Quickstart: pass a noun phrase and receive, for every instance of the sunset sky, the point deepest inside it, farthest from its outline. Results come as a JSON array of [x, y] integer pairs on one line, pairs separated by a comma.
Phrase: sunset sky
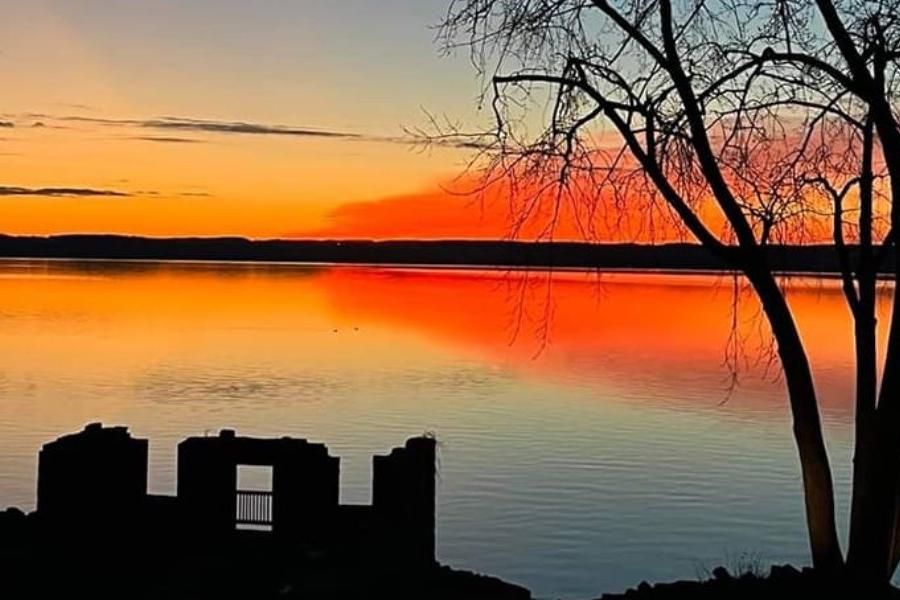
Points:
[[214, 117]]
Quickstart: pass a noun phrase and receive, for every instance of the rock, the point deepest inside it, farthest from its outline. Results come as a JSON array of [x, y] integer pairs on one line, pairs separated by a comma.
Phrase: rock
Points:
[[783, 573], [721, 574], [678, 589]]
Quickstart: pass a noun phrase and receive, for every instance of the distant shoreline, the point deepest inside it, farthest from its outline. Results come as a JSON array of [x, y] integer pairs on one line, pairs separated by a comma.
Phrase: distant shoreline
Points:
[[813, 260], [420, 267]]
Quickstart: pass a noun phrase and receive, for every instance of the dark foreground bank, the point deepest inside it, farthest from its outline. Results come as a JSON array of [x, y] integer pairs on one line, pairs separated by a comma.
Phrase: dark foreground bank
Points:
[[459, 253], [252, 570], [98, 533], [781, 582], [38, 564]]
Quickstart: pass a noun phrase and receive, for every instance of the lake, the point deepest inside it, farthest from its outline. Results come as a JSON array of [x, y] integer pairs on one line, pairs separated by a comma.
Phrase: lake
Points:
[[591, 433]]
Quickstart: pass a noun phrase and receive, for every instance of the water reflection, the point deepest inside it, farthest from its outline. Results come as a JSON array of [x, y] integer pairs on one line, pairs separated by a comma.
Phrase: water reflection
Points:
[[585, 441], [604, 328]]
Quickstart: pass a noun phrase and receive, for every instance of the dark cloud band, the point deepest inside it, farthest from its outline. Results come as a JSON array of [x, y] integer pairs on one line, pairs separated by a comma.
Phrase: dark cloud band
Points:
[[208, 126], [61, 192], [167, 139], [241, 127], [190, 125]]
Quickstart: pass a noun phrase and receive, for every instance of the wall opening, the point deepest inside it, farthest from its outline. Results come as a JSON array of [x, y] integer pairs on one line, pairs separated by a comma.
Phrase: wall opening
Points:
[[253, 498]]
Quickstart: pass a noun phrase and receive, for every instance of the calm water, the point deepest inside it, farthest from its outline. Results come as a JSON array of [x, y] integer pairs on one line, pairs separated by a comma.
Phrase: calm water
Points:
[[589, 437]]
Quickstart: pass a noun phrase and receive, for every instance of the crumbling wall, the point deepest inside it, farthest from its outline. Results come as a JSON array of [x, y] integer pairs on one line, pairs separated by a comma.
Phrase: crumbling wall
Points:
[[94, 481], [403, 494]]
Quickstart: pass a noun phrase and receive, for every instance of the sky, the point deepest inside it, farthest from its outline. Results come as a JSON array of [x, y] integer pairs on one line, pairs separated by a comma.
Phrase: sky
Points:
[[262, 119], [271, 118]]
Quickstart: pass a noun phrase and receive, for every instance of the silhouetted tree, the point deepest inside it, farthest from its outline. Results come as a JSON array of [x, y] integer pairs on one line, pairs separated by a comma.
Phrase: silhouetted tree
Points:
[[747, 122]]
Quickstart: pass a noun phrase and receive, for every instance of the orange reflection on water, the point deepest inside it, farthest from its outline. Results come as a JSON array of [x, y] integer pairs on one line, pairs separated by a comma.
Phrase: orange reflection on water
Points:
[[615, 331], [611, 327], [94, 316]]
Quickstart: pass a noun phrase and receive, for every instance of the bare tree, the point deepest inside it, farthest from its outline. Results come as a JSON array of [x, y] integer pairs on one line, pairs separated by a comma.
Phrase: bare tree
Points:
[[746, 123]]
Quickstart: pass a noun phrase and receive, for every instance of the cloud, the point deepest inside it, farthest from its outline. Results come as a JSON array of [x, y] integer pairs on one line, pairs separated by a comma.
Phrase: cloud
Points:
[[76, 106], [7, 124], [66, 192], [207, 126], [167, 139], [467, 209], [61, 192], [44, 125], [210, 126], [172, 125]]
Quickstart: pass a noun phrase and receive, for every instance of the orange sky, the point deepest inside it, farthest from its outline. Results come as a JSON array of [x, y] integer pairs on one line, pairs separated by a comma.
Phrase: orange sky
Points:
[[216, 118], [464, 208], [236, 121], [135, 179], [200, 177], [180, 177], [211, 119], [85, 175]]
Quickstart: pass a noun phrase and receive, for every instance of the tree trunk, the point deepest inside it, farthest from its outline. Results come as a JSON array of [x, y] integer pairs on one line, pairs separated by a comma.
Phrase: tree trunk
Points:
[[873, 512], [872, 515], [881, 522], [873, 507], [818, 486], [889, 413]]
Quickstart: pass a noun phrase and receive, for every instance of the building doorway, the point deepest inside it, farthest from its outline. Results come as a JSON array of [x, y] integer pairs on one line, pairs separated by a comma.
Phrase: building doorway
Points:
[[253, 498]]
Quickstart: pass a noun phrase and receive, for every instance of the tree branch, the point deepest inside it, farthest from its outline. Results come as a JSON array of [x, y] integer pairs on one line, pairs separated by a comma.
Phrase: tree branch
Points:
[[700, 137]]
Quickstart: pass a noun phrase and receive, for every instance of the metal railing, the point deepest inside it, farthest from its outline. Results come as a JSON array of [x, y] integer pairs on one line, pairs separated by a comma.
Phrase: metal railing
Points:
[[253, 507]]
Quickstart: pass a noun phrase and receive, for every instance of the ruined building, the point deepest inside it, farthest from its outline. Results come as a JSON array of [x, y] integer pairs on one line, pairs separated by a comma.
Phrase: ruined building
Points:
[[94, 483], [98, 534]]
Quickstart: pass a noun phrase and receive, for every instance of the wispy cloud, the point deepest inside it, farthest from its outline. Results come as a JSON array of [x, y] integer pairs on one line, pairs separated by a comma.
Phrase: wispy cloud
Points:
[[7, 124], [209, 126], [61, 192], [242, 128], [76, 106], [86, 192], [167, 139]]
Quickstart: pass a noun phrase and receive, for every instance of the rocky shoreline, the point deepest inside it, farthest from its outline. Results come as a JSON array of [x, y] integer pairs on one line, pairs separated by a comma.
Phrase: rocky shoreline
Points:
[[783, 581], [36, 565]]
